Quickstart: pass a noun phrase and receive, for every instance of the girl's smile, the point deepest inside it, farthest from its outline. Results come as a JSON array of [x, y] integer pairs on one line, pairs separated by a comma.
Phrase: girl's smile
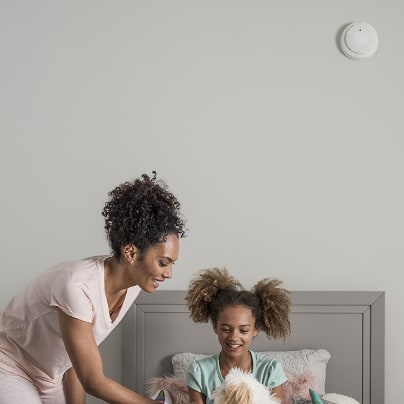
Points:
[[236, 330]]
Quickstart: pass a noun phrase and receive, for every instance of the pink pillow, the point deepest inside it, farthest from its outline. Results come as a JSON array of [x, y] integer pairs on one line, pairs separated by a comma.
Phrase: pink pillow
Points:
[[176, 387], [178, 390], [299, 386]]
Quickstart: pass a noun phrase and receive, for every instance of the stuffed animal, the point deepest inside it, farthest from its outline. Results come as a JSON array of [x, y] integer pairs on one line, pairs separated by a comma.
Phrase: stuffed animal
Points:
[[339, 399], [329, 398], [162, 396], [315, 398], [241, 387]]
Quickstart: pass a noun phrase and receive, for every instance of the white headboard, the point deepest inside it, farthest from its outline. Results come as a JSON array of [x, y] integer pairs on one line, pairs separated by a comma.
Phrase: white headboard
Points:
[[350, 325]]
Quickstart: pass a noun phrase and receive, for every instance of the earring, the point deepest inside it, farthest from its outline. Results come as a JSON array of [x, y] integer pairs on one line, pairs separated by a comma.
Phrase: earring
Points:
[[131, 261]]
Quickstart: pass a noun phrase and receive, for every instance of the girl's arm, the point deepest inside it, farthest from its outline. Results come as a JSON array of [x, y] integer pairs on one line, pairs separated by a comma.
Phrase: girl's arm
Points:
[[86, 359], [195, 397], [278, 393]]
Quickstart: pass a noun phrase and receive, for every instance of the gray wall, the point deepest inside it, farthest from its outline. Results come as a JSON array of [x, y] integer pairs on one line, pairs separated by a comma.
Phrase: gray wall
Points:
[[287, 156]]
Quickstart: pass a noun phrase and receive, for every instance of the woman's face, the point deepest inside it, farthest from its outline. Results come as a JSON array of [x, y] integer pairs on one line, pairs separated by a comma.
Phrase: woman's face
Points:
[[235, 329], [155, 264]]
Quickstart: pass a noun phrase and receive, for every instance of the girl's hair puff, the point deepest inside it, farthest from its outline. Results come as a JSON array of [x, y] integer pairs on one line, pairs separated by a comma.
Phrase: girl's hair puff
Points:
[[204, 289], [275, 303]]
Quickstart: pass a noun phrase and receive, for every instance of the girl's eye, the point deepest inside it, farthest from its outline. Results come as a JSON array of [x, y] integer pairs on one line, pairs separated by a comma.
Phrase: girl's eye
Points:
[[163, 264]]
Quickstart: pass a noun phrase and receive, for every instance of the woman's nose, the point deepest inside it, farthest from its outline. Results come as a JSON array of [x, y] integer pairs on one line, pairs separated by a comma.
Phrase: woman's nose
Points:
[[168, 273]]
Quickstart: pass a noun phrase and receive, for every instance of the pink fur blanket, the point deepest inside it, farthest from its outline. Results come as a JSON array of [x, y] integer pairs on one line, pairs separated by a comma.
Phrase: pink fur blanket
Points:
[[177, 388]]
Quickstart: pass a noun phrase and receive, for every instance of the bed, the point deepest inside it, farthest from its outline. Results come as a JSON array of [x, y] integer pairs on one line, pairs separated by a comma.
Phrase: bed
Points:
[[347, 324]]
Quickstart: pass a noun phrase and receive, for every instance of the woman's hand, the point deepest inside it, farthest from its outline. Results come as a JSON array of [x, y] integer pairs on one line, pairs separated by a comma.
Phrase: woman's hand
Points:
[[86, 359]]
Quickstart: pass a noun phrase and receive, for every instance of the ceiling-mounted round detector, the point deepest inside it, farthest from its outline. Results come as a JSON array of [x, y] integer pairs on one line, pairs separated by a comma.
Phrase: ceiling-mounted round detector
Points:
[[359, 41]]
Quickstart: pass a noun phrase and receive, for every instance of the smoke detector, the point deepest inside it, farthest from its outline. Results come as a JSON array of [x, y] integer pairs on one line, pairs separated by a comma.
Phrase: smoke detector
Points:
[[359, 41]]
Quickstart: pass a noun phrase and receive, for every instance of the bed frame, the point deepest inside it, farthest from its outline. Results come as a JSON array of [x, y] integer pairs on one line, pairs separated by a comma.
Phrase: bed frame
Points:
[[350, 325]]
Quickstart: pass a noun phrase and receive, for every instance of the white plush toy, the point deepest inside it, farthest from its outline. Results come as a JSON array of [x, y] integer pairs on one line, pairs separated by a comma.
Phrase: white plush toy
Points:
[[339, 399], [241, 387]]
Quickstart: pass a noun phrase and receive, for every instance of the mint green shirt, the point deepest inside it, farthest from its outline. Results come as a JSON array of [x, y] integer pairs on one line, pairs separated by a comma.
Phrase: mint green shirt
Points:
[[204, 374]]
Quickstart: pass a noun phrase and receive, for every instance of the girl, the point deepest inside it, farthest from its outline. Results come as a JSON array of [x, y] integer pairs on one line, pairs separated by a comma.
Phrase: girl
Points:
[[237, 315]]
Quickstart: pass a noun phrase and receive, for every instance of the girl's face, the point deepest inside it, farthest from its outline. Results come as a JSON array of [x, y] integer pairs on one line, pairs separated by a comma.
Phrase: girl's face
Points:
[[235, 329]]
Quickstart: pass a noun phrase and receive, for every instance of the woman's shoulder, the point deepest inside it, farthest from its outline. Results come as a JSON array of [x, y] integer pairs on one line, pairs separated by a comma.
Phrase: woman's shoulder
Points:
[[82, 264], [83, 267], [85, 273]]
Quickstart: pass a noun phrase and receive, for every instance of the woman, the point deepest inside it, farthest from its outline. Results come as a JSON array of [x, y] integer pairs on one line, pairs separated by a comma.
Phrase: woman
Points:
[[237, 315], [50, 332]]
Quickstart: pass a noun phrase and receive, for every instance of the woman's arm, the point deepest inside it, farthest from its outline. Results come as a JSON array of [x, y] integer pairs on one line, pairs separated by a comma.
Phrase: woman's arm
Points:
[[86, 359], [195, 397], [73, 389]]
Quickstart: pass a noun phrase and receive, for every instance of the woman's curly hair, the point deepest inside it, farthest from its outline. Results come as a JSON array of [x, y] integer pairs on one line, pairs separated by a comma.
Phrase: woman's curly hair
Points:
[[214, 289], [142, 212]]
